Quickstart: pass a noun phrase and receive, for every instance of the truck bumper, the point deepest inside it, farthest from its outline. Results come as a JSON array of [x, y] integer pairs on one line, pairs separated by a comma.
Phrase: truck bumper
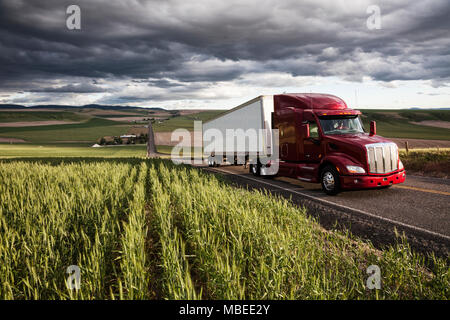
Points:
[[363, 182]]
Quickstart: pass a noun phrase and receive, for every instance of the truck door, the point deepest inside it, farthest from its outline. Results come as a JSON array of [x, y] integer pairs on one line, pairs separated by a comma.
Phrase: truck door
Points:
[[312, 146], [286, 123]]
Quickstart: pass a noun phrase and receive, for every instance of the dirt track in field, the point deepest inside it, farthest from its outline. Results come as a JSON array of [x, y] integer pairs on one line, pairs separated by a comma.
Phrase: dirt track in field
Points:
[[420, 143], [11, 140], [434, 123], [35, 123], [122, 119]]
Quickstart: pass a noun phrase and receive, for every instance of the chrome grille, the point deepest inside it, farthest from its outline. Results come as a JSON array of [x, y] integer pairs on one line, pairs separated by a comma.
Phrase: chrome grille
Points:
[[382, 157]]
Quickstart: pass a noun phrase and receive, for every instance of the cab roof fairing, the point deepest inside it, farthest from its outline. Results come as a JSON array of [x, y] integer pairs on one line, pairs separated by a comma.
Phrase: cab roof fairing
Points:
[[314, 101]]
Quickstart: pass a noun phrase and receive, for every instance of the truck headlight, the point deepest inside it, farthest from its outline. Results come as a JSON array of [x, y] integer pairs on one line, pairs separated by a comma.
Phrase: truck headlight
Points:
[[355, 169], [400, 165]]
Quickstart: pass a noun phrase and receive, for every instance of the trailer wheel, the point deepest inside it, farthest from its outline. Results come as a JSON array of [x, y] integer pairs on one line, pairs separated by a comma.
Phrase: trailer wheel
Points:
[[329, 178], [255, 169], [212, 162]]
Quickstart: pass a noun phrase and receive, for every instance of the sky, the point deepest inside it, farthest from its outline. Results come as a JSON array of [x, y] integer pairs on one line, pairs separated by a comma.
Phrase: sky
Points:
[[217, 54]]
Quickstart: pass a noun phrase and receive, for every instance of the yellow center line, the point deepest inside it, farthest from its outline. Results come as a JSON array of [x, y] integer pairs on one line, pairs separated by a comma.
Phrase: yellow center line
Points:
[[423, 190]]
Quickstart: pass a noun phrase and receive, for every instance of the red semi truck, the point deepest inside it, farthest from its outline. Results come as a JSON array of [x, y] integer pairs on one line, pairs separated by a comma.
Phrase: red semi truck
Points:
[[321, 140]]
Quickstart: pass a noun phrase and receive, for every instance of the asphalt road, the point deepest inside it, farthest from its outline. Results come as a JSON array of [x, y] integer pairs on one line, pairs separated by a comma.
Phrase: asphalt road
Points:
[[419, 207]]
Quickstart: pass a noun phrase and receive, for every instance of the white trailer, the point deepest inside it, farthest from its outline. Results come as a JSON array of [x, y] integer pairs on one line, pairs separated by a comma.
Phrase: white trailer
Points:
[[233, 132]]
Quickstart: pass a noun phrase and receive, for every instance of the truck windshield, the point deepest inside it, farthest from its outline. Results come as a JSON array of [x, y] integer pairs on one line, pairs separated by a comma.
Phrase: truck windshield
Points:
[[341, 124]]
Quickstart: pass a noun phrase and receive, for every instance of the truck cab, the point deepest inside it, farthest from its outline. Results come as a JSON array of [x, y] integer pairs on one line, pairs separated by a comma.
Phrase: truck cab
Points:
[[322, 140]]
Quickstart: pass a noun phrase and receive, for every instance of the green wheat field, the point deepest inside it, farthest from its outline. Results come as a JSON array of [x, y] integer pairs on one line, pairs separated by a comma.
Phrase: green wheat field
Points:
[[150, 229]]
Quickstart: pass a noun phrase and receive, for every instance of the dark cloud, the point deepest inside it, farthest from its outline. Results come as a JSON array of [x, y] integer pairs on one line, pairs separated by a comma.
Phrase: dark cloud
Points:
[[73, 88], [170, 44]]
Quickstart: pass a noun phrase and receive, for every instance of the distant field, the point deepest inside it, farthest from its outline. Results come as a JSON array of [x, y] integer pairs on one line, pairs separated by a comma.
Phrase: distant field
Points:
[[24, 116], [11, 151], [92, 123], [397, 123], [79, 150], [90, 130]]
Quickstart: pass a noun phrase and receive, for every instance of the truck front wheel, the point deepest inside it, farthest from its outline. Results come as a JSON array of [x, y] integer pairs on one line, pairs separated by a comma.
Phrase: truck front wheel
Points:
[[329, 178]]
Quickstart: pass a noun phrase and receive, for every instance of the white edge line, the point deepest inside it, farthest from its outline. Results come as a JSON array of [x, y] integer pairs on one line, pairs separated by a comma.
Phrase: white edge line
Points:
[[339, 205]]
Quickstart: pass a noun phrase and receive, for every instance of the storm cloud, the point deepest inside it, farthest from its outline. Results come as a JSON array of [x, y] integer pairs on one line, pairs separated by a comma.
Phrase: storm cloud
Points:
[[182, 48]]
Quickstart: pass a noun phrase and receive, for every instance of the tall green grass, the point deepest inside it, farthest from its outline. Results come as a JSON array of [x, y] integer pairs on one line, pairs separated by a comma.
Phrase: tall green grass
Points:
[[431, 162], [240, 244], [144, 229], [176, 282], [55, 216], [134, 263]]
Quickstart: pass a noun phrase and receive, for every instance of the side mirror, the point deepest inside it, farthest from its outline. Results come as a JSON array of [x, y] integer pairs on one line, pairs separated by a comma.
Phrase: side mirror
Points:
[[306, 131], [373, 128]]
